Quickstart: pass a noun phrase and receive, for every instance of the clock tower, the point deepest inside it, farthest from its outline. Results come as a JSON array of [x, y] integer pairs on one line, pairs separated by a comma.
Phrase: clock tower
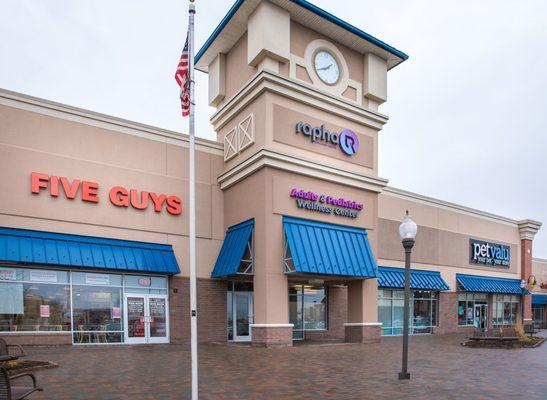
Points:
[[297, 94]]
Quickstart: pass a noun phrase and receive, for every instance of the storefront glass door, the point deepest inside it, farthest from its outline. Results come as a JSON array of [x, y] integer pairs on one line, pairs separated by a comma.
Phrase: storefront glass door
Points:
[[146, 319], [481, 316], [242, 315]]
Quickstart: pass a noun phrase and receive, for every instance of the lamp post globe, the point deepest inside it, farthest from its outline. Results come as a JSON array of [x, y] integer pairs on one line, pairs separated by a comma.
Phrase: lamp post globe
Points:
[[407, 230]]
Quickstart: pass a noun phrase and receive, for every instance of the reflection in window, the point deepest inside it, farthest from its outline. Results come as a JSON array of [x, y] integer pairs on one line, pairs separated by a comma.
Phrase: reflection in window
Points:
[[307, 308], [34, 307], [466, 306], [423, 311], [505, 309], [97, 312]]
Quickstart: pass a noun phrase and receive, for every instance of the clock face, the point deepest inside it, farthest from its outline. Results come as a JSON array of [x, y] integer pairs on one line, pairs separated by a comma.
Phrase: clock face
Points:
[[326, 67]]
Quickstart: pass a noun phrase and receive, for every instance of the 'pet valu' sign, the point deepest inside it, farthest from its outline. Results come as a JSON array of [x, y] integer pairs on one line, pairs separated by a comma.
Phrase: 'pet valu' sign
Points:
[[486, 253]]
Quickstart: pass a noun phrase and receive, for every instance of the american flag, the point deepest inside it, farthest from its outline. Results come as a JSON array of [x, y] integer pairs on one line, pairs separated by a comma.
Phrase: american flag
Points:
[[182, 76]]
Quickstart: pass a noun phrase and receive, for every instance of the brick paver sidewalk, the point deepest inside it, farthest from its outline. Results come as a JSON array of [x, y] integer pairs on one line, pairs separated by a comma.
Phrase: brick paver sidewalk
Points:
[[440, 368]]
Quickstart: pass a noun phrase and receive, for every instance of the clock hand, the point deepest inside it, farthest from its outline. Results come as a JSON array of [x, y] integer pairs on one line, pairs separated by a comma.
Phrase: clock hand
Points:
[[324, 68]]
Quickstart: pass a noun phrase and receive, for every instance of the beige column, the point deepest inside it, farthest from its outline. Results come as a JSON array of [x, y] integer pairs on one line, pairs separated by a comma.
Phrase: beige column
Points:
[[363, 325], [271, 326]]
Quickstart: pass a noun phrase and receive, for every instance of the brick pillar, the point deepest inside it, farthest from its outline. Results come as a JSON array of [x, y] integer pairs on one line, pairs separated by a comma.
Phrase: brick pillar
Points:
[[525, 272], [527, 229], [363, 325]]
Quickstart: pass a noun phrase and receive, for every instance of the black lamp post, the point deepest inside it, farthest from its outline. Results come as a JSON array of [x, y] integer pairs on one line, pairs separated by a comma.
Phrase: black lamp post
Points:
[[522, 291], [408, 230]]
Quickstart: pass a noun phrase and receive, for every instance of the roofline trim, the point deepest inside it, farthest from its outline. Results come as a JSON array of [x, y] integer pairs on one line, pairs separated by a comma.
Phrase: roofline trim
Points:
[[453, 206], [312, 8], [27, 102]]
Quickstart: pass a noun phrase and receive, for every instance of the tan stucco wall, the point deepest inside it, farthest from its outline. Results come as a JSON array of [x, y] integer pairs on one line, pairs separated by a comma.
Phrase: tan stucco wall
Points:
[[238, 71], [442, 243], [265, 196], [33, 142]]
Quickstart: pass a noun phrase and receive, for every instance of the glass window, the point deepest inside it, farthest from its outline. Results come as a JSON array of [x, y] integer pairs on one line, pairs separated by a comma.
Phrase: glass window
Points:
[[385, 315], [398, 316], [307, 308], [229, 316], [421, 322], [97, 314], [39, 304], [505, 310], [423, 311]]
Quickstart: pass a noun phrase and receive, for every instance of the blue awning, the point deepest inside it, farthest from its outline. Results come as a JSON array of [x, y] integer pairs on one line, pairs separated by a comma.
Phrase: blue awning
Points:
[[539, 299], [233, 249], [486, 284], [328, 249], [391, 277], [46, 248]]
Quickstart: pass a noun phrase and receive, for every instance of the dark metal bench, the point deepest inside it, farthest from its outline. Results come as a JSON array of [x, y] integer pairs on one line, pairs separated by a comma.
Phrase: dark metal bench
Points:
[[495, 333], [4, 349], [530, 329], [9, 392]]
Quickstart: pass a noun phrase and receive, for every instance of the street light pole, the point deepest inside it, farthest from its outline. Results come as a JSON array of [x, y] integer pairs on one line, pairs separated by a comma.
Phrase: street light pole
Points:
[[522, 291], [408, 230]]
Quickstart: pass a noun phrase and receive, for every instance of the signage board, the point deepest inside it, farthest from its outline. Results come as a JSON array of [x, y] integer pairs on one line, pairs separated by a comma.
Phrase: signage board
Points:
[[346, 140], [38, 275], [8, 274], [145, 281], [488, 253], [44, 311], [326, 204], [119, 196], [116, 312], [97, 279]]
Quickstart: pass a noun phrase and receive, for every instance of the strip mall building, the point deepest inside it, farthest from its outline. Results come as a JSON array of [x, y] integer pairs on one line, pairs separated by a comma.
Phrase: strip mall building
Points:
[[297, 235]]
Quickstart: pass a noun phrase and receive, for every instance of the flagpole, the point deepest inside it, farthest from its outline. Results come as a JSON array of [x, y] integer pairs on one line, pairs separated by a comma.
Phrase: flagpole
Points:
[[192, 204]]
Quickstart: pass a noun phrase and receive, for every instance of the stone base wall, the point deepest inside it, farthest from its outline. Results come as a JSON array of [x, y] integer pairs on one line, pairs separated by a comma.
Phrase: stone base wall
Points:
[[271, 336], [38, 339], [337, 311], [211, 301], [362, 334]]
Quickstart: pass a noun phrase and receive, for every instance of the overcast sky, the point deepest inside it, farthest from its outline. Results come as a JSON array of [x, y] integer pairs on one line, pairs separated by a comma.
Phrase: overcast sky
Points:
[[468, 115]]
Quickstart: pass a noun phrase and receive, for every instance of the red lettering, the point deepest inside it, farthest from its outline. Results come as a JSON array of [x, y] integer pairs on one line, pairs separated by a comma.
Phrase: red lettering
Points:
[[118, 196], [54, 186], [70, 188], [135, 200], [173, 205], [158, 201], [38, 181], [90, 191]]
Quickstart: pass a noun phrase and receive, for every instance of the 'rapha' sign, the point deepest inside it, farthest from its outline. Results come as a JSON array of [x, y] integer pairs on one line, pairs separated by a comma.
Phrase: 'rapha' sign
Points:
[[346, 140], [486, 253]]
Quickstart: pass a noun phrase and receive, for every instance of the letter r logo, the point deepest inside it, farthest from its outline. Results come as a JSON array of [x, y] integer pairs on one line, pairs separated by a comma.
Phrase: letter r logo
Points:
[[349, 143]]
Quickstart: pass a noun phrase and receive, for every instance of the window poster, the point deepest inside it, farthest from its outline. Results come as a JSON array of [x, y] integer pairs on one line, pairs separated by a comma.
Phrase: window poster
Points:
[[97, 279], [38, 275], [44, 311], [11, 298], [116, 312], [8, 274]]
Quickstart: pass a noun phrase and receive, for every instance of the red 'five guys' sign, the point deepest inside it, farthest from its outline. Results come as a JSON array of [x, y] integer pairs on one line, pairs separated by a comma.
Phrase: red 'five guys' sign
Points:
[[118, 195]]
